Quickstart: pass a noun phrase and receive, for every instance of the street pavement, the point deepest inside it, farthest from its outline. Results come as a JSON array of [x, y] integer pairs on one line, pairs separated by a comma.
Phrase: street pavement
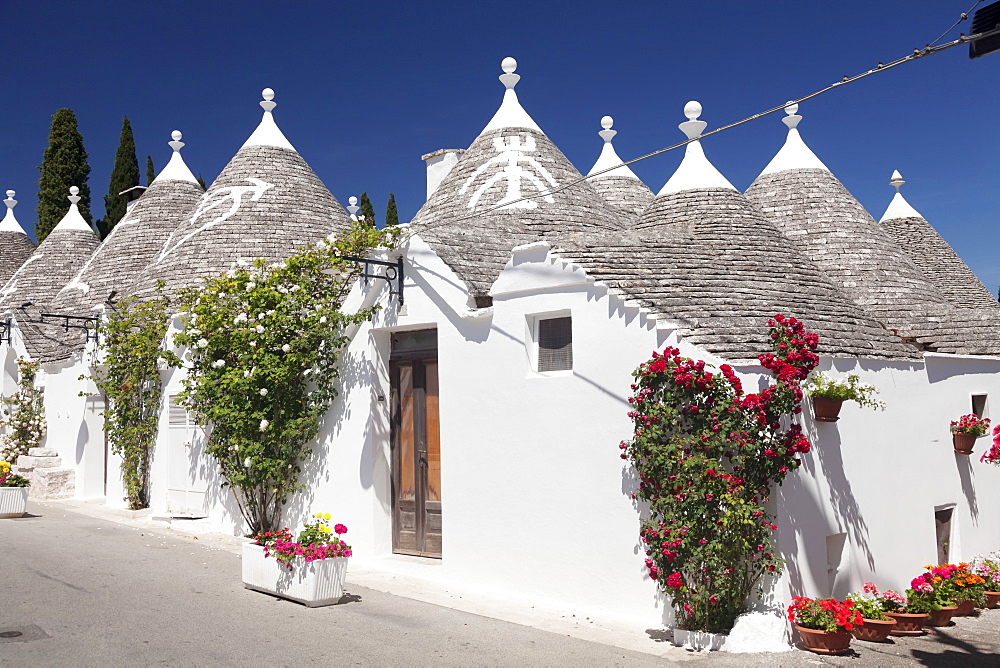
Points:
[[79, 590]]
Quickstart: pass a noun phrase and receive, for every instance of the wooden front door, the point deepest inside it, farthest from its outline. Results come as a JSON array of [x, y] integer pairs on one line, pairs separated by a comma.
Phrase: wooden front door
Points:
[[416, 445]]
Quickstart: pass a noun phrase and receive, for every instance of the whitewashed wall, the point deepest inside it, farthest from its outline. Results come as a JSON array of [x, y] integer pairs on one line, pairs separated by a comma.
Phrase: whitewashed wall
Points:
[[535, 497]]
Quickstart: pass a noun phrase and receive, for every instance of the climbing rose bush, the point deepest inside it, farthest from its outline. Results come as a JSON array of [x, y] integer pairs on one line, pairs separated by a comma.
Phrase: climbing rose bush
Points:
[[23, 414], [263, 345], [707, 456], [992, 456]]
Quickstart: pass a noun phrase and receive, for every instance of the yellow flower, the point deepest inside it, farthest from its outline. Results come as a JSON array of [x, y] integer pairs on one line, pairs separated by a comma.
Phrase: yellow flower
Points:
[[326, 516], [325, 529]]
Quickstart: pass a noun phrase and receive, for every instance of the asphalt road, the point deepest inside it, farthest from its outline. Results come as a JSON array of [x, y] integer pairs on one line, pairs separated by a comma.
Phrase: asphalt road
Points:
[[88, 592], [81, 591]]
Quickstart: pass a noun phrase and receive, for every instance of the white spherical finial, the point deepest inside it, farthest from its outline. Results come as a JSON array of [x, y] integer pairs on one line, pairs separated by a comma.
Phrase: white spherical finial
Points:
[[176, 144], [352, 200], [607, 122], [11, 193], [607, 134], [508, 78], [692, 110], [508, 65], [73, 190], [791, 121], [268, 104]]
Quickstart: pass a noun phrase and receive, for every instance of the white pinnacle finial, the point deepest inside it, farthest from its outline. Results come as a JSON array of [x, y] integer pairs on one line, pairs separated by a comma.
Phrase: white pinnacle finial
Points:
[[353, 207], [508, 78], [607, 134], [74, 194], [176, 144], [10, 201], [897, 180], [692, 127], [268, 104], [898, 208], [792, 119]]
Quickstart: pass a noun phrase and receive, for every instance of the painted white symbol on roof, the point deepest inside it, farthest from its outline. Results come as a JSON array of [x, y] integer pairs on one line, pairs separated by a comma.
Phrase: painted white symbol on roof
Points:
[[234, 195], [512, 155]]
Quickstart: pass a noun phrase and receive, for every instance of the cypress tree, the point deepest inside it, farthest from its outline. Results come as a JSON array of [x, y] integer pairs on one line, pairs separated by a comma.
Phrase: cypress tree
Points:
[[391, 217], [64, 164], [367, 210], [125, 175], [150, 172], [201, 182]]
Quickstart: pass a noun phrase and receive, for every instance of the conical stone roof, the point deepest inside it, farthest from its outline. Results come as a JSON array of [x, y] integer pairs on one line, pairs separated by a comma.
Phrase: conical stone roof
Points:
[[267, 203], [701, 255], [53, 264], [512, 165], [133, 243], [933, 255], [829, 226], [615, 182], [15, 246]]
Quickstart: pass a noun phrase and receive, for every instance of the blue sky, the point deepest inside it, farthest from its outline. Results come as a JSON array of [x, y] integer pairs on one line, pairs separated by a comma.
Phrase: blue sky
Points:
[[364, 89]]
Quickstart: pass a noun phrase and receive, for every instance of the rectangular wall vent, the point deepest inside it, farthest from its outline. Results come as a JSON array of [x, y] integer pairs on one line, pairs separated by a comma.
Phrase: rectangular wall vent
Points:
[[555, 344]]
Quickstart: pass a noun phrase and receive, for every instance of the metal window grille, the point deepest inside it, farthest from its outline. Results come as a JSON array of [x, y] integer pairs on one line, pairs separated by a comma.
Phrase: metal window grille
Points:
[[555, 344]]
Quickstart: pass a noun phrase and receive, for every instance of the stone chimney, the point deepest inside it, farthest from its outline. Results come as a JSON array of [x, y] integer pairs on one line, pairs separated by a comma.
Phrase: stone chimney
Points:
[[439, 163]]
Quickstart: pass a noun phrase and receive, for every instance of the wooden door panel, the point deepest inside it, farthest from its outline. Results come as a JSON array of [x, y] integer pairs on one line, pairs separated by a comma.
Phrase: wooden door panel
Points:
[[416, 456]]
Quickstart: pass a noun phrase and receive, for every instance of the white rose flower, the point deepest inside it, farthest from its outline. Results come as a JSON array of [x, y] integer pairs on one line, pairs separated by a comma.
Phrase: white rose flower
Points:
[[246, 373], [260, 316], [322, 319], [202, 343], [253, 344], [286, 348], [246, 462], [259, 329], [263, 391], [264, 424], [219, 363]]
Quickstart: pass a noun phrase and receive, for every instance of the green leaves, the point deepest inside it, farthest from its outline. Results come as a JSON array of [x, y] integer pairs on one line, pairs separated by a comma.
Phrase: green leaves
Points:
[[129, 378], [263, 345], [23, 417]]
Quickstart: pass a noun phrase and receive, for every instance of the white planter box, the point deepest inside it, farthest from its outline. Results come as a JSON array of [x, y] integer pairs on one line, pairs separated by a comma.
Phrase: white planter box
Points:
[[13, 501], [699, 640], [313, 583]]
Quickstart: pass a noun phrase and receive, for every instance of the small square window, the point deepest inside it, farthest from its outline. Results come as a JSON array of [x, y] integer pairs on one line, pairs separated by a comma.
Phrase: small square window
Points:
[[555, 344]]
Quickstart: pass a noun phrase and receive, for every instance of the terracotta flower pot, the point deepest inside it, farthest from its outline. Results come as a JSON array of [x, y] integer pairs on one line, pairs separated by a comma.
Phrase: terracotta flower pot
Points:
[[825, 642], [965, 608], [874, 630], [907, 624], [963, 443], [992, 598], [941, 617], [826, 410]]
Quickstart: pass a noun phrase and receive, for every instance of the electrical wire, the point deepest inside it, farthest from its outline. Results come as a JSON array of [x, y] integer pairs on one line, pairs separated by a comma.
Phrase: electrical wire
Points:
[[917, 54], [961, 18]]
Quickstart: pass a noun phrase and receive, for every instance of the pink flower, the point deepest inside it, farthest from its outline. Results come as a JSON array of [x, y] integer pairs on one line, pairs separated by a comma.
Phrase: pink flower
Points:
[[340, 529]]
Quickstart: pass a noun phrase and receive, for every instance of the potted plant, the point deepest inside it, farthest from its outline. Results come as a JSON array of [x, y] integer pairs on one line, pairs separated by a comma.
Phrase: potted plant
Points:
[[824, 625], [876, 624], [13, 492], [932, 594], [829, 394], [909, 616], [965, 430], [988, 568], [309, 569], [967, 589]]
